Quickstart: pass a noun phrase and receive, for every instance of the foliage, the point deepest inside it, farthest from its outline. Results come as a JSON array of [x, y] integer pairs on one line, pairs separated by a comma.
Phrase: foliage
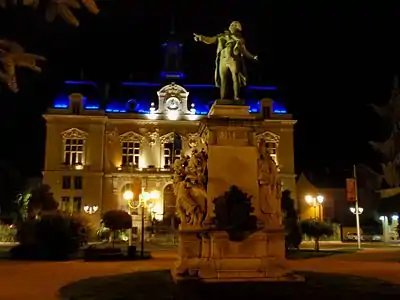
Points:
[[20, 210], [12, 55], [233, 213], [316, 229], [117, 220], [390, 148], [103, 233], [290, 221], [55, 8], [8, 233], [10, 187], [53, 236], [41, 200]]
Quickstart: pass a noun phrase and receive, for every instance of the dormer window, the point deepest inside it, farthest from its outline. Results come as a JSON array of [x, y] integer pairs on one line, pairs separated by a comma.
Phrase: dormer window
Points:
[[76, 107], [131, 104]]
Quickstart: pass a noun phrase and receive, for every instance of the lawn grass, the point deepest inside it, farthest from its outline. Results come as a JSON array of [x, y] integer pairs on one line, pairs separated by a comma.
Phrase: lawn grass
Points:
[[159, 285], [308, 253]]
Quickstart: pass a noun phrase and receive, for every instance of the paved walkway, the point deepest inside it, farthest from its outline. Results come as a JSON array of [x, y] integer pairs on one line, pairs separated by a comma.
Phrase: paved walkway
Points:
[[41, 280]]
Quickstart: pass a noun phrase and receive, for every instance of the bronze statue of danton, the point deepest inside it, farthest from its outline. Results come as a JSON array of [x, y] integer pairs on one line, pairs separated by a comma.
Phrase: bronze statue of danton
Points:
[[231, 51]]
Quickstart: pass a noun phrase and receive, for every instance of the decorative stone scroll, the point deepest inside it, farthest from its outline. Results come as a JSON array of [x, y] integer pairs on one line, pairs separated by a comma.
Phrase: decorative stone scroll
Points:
[[131, 136], [268, 136], [153, 137], [74, 133]]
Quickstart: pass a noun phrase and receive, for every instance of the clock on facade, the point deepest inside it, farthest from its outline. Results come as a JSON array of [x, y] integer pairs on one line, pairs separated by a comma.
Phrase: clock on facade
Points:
[[173, 103]]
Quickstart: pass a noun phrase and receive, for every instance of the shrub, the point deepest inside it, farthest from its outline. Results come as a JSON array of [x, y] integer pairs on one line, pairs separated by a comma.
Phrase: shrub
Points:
[[54, 236], [8, 233], [316, 230], [117, 220]]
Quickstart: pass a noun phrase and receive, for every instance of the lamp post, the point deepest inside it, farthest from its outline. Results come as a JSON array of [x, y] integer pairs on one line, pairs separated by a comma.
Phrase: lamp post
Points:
[[144, 197], [316, 202], [128, 196], [357, 211]]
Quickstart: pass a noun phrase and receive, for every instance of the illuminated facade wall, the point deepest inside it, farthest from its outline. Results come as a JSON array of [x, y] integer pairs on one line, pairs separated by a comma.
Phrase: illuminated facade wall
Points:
[[93, 154]]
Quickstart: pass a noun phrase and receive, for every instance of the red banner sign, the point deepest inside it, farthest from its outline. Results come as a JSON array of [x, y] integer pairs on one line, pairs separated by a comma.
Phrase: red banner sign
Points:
[[351, 190]]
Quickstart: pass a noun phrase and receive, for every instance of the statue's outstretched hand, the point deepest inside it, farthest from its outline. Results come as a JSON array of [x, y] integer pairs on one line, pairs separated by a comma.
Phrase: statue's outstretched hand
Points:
[[197, 37]]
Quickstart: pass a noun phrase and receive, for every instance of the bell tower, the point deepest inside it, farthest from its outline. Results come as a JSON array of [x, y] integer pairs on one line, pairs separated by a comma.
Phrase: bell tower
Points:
[[172, 49]]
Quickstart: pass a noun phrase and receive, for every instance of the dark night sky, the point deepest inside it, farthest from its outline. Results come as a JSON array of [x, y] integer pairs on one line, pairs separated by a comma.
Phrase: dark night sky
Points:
[[329, 62]]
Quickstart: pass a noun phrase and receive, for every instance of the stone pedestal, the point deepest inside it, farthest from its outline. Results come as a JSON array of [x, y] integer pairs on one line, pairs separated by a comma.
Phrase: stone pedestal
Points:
[[210, 256], [207, 253], [229, 131]]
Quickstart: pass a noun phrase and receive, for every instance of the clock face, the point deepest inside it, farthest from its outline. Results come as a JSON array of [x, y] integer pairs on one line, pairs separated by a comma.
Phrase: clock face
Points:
[[173, 103]]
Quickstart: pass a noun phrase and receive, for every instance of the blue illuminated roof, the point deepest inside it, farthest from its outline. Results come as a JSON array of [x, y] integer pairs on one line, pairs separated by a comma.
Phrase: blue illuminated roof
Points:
[[137, 96]]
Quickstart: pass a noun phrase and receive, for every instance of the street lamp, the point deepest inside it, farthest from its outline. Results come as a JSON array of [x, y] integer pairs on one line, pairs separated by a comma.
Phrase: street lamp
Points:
[[316, 202], [144, 198], [360, 210], [128, 197], [90, 209]]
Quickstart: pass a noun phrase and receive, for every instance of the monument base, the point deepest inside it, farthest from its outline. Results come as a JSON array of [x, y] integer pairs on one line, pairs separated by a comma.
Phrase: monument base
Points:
[[209, 256], [229, 109]]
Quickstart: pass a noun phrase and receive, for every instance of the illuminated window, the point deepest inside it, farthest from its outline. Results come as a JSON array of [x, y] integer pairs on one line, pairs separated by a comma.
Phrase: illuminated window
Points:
[[130, 144], [77, 205], [168, 159], [74, 146], [130, 153], [73, 151], [65, 204], [273, 150]]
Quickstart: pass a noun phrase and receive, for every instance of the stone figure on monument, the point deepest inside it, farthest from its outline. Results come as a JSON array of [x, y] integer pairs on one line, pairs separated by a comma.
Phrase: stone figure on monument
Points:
[[231, 51], [190, 189], [269, 187]]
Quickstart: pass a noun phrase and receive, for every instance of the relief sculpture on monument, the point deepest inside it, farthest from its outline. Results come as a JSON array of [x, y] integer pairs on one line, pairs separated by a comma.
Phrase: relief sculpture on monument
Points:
[[270, 187], [190, 182]]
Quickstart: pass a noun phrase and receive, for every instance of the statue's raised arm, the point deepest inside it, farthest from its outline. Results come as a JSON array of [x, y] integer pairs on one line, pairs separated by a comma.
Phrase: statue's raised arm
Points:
[[205, 39], [231, 51]]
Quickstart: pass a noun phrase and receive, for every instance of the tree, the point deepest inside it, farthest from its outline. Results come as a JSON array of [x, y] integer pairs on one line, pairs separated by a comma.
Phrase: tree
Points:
[[41, 200], [390, 148], [316, 230], [290, 221], [54, 236], [13, 56], [54, 8], [117, 220], [20, 210]]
